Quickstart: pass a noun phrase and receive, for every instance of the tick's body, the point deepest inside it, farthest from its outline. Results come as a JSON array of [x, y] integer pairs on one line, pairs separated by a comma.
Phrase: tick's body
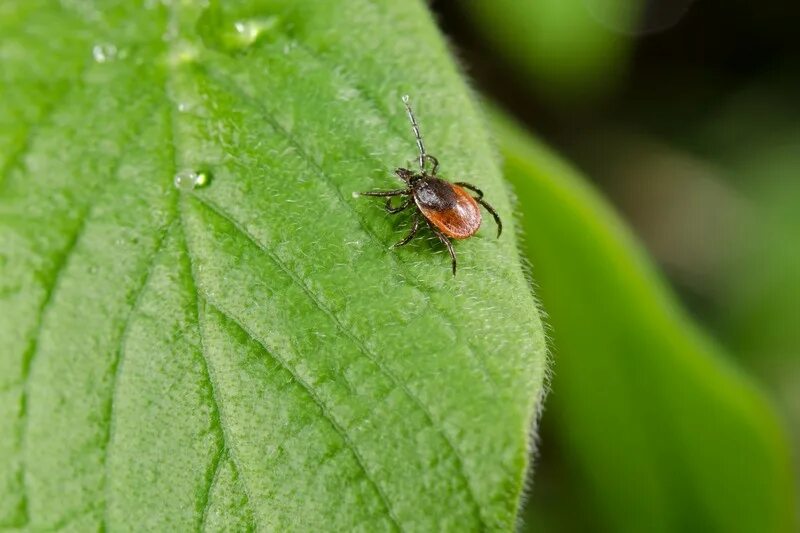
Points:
[[448, 207], [450, 211]]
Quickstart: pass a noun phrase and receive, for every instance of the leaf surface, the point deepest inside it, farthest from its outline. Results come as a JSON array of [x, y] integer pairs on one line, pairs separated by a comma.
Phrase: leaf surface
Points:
[[247, 354]]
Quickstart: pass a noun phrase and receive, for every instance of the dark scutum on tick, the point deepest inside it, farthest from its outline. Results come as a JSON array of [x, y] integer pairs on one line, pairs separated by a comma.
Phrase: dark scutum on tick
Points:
[[448, 209]]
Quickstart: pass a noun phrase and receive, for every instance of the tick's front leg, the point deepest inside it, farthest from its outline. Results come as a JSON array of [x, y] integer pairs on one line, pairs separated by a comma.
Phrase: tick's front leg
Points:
[[396, 192]]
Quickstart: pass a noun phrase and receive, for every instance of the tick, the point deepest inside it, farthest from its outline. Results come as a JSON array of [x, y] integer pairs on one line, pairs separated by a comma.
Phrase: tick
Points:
[[449, 210]]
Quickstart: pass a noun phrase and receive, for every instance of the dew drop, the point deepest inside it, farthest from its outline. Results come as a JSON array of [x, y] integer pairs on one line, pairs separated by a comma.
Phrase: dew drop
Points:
[[183, 51], [188, 180], [248, 31], [105, 52]]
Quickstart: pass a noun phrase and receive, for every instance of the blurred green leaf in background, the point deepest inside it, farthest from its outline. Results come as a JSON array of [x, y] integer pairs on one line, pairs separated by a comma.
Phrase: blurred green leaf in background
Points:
[[689, 124], [660, 433], [559, 46]]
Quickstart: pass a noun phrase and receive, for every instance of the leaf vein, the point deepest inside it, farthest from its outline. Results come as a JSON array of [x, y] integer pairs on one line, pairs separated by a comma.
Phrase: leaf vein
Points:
[[17, 155], [216, 467], [117, 363], [33, 348], [172, 18], [29, 356], [217, 415], [326, 414]]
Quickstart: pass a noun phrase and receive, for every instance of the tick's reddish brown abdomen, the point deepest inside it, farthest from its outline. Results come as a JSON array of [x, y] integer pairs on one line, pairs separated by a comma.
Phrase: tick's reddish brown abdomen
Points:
[[448, 207]]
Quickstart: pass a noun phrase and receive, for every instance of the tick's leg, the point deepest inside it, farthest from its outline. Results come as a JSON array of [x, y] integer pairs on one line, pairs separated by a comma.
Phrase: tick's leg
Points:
[[401, 207], [471, 187], [434, 162], [446, 242], [396, 192], [410, 236], [489, 208]]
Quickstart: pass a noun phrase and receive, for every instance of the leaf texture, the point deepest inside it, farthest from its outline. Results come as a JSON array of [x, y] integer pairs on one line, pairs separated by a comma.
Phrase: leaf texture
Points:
[[247, 355]]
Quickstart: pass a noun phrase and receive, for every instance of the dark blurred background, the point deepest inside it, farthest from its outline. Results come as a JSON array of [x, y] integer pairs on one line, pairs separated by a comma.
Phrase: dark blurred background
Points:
[[686, 115]]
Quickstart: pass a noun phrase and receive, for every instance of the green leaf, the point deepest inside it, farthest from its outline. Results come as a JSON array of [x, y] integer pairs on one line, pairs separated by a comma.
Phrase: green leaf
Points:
[[659, 431], [248, 354]]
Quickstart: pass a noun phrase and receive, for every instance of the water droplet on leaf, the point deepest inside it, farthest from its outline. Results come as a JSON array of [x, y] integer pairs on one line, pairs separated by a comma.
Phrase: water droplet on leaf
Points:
[[188, 180], [240, 34], [182, 51], [105, 52], [248, 31]]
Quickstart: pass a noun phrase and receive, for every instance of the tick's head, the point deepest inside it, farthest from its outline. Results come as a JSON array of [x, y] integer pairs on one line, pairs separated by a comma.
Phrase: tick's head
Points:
[[408, 176]]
